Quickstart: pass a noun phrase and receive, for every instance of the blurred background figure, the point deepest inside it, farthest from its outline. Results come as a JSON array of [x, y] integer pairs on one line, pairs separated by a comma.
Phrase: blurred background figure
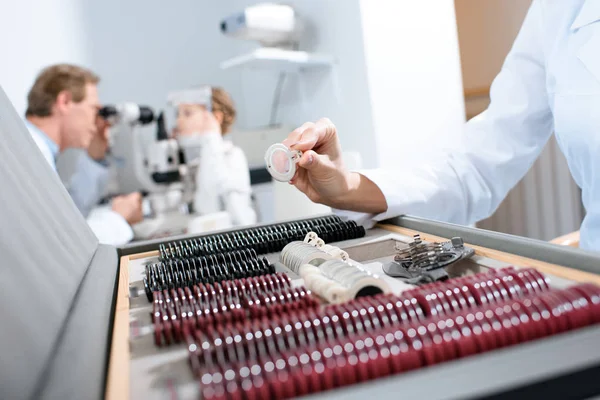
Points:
[[62, 114], [222, 176]]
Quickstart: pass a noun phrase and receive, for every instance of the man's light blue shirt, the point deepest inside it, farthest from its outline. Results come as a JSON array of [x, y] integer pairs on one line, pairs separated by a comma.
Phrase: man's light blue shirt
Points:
[[48, 148]]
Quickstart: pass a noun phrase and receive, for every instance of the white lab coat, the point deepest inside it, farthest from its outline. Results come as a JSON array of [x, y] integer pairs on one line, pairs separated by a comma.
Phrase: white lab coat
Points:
[[223, 180], [108, 226], [550, 82]]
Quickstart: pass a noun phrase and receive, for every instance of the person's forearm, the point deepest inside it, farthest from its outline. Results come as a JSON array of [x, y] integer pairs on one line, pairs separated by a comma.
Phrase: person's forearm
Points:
[[363, 196]]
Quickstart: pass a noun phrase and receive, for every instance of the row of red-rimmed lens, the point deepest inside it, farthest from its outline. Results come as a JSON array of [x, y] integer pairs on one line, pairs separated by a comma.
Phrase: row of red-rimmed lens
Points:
[[177, 313], [252, 339], [364, 314], [479, 289], [395, 349]]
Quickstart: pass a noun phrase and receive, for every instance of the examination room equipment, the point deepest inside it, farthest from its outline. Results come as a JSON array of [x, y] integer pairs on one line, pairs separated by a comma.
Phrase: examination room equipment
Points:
[[272, 25], [145, 158], [296, 308]]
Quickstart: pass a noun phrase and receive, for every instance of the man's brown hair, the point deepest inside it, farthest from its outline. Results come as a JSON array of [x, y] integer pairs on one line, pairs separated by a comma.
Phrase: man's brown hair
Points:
[[53, 80], [221, 101]]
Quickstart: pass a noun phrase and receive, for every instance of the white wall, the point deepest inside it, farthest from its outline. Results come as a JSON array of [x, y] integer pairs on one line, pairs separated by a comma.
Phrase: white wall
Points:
[[144, 48], [414, 77], [34, 34]]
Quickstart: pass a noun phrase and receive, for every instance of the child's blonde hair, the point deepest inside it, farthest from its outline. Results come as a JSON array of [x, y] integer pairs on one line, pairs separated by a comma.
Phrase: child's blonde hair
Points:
[[222, 102]]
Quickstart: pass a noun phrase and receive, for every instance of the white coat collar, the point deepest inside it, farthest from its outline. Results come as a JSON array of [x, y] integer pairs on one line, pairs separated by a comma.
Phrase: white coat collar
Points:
[[589, 12]]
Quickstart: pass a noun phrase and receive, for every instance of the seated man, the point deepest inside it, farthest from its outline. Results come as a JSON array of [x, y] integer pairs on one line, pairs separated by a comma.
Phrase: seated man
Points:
[[84, 172], [62, 114]]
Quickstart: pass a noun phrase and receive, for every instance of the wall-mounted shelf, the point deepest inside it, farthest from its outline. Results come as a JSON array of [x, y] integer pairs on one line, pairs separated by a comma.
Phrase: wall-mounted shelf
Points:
[[279, 59]]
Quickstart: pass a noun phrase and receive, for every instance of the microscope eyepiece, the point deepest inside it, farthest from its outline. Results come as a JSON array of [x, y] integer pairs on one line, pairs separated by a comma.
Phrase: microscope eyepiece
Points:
[[146, 115], [108, 111], [129, 112]]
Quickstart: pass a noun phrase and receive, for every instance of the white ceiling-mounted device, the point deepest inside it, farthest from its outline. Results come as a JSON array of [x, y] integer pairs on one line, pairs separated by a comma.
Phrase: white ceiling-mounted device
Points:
[[278, 28], [270, 24]]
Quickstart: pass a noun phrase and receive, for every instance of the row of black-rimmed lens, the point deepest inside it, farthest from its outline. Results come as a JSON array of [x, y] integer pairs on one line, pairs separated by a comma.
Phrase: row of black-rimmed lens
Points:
[[366, 314], [179, 313], [265, 239], [173, 274], [276, 372]]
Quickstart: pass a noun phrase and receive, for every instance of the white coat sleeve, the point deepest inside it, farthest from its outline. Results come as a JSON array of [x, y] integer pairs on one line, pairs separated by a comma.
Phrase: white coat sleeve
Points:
[[109, 227], [223, 182], [496, 149]]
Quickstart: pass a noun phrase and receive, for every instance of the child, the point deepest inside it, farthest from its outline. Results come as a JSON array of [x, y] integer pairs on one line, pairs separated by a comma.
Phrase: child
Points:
[[222, 177]]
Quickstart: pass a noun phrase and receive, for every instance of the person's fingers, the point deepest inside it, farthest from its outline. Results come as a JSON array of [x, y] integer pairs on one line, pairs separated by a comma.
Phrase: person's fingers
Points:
[[299, 174], [301, 181], [105, 132], [136, 197], [297, 134], [306, 140], [101, 124], [310, 161], [307, 159], [314, 162], [304, 185], [295, 176], [319, 134]]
